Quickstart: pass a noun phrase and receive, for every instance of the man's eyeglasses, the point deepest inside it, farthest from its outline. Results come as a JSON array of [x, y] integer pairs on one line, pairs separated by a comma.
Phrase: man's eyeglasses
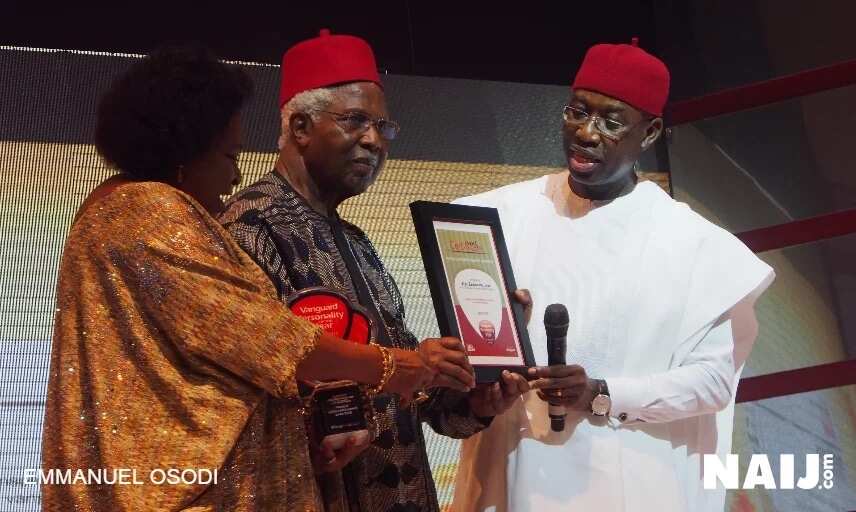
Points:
[[609, 128], [360, 122]]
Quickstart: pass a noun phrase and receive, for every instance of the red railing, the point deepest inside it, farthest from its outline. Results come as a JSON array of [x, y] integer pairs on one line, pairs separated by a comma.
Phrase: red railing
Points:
[[822, 227], [761, 93], [800, 231], [802, 380]]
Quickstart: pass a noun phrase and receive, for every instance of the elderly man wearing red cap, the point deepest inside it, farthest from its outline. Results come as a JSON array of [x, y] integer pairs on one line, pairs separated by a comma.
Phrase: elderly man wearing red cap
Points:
[[333, 144], [662, 320]]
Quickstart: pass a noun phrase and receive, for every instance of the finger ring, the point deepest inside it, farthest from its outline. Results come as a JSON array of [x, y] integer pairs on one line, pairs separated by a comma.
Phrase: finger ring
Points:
[[420, 397], [559, 393]]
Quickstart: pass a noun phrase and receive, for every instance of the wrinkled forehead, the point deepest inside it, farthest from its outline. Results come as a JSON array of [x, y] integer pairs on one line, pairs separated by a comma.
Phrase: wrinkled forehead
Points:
[[598, 102], [364, 96]]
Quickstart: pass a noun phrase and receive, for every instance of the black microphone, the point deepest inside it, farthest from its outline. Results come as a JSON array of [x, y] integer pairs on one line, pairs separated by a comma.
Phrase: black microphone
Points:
[[556, 324]]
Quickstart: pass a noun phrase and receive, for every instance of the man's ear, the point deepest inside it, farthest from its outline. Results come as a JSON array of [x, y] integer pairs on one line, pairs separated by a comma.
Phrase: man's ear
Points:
[[652, 133], [300, 125]]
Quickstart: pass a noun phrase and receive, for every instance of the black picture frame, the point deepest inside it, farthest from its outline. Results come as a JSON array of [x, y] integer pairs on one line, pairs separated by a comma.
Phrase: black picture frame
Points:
[[426, 217]]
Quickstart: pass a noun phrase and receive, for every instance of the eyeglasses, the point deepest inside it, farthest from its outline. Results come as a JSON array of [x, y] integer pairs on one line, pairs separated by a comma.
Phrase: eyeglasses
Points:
[[360, 122], [609, 128]]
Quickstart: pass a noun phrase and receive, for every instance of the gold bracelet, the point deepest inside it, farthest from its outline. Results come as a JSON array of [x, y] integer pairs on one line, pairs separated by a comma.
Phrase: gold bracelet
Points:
[[388, 369]]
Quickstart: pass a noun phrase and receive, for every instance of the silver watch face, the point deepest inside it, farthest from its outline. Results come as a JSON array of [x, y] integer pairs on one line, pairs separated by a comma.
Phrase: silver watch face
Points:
[[600, 405]]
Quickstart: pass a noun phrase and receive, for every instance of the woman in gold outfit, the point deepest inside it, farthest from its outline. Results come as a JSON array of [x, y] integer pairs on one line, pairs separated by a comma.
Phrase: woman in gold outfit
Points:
[[170, 348]]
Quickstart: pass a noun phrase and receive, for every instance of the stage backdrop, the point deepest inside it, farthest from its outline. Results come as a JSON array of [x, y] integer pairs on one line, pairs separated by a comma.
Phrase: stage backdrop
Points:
[[458, 138]]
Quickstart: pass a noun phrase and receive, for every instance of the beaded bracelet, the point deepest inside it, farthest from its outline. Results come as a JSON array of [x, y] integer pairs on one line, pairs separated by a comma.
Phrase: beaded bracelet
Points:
[[388, 369]]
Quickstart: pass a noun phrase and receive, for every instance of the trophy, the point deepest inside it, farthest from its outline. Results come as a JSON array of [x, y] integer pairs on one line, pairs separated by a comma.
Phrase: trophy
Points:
[[341, 409]]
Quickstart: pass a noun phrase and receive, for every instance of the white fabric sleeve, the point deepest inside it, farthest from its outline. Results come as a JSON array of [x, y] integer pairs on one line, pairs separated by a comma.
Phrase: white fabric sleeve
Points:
[[704, 381]]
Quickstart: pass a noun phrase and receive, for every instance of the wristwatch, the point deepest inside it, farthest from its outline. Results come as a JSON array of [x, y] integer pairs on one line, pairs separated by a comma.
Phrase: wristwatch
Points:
[[601, 403]]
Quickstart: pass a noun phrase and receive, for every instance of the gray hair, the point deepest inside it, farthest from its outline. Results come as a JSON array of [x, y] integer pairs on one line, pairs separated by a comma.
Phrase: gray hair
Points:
[[310, 102]]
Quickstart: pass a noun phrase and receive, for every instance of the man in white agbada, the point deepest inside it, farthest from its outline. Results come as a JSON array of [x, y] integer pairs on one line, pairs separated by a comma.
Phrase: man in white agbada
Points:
[[662, 319]]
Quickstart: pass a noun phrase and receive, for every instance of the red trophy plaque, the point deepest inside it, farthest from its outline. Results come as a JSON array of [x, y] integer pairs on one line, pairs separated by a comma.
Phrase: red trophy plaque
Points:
[[339, 409], [334, 313]]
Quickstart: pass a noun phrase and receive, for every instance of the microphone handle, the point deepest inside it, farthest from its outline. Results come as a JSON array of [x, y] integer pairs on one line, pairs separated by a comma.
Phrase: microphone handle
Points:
[[557, 417], [556, 356], [556, 348]]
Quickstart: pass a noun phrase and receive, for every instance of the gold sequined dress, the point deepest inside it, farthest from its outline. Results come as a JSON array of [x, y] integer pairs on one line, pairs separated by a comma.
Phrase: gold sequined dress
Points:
[[171, 351]]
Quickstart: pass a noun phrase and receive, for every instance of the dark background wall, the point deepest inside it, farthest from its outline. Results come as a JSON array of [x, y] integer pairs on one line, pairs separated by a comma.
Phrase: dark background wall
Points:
[[479, 40]]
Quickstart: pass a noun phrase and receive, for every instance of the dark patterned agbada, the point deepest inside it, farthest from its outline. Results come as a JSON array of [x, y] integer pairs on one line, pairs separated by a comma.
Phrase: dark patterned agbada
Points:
[[299, 248]]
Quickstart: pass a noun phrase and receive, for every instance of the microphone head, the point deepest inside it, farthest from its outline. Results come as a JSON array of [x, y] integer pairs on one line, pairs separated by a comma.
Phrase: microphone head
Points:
[[556, 320]]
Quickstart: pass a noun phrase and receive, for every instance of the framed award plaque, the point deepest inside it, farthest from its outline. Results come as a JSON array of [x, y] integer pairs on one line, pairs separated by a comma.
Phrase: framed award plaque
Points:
[[472, 285]]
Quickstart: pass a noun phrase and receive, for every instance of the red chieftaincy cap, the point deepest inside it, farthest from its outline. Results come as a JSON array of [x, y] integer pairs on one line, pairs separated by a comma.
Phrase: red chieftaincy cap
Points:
[[324, 61], [627, 73]]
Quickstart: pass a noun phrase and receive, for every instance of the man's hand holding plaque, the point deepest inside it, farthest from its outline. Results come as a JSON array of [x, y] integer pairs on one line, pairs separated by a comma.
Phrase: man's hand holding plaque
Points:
[[449, 363]]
